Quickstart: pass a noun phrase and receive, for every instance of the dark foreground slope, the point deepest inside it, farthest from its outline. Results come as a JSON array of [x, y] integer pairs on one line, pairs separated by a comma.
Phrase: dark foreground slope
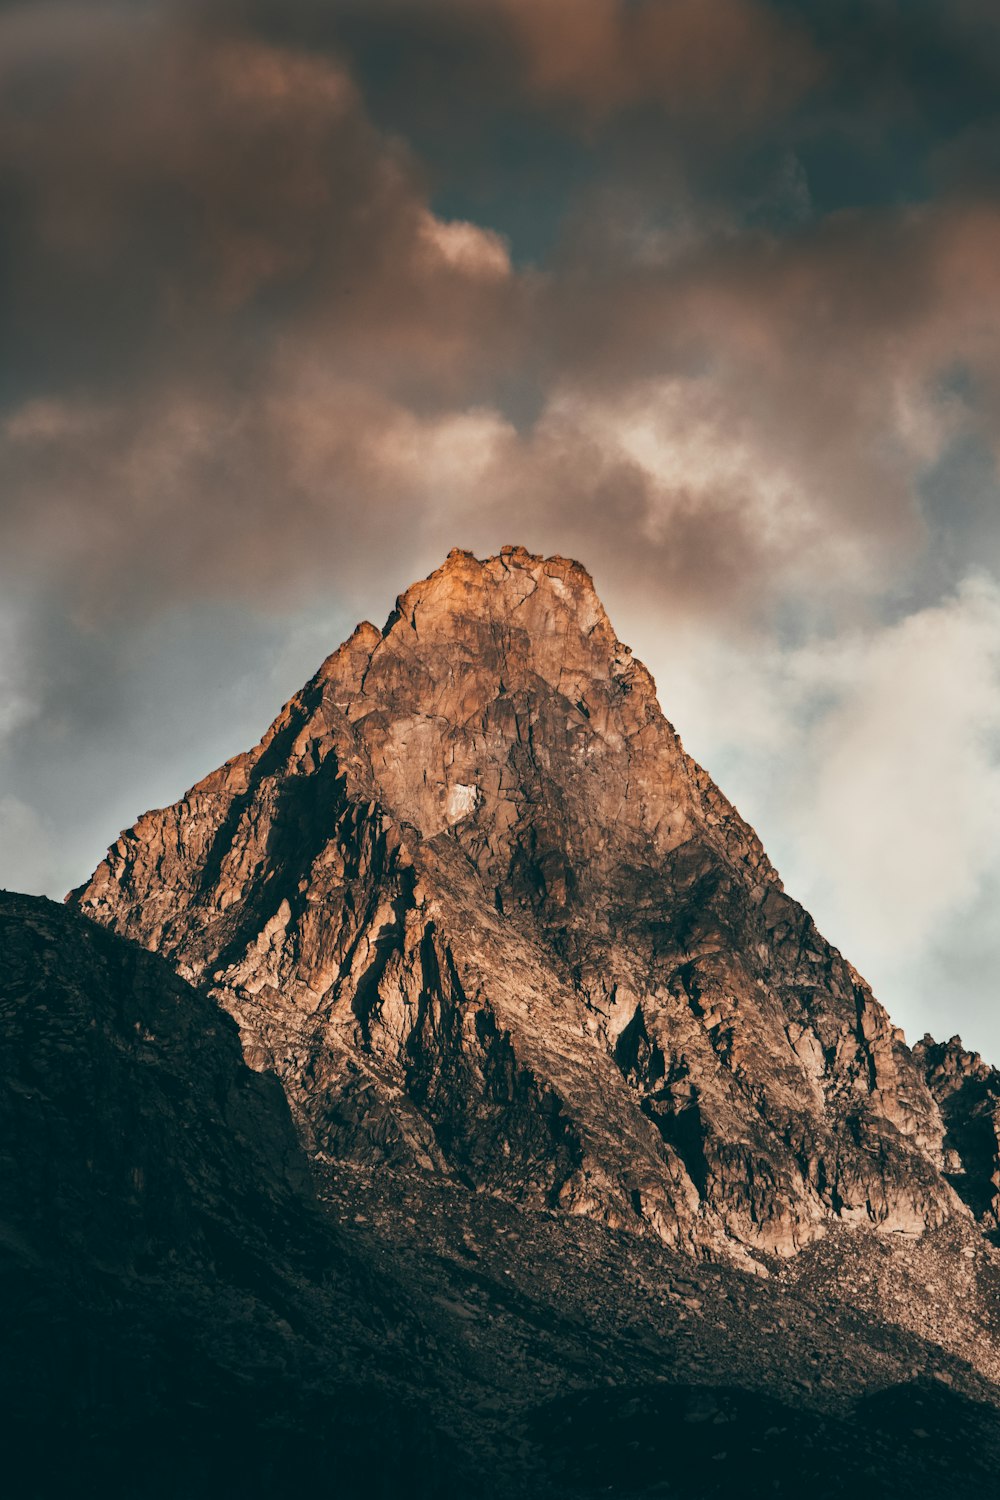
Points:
[[186, 1314], [178, 1317]]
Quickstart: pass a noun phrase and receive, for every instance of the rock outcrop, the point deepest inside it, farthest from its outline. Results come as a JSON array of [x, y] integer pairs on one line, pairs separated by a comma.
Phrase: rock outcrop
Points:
[[473, 903], [967, 1091]]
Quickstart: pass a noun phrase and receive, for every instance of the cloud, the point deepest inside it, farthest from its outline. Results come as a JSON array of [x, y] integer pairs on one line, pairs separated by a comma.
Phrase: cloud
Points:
[[261, 495], [723, 63], [28, 860], [759, 413], [905, 781], [248, 345], [688, 57], [220, 281], [18, 705], [836, 364], [181, 197]]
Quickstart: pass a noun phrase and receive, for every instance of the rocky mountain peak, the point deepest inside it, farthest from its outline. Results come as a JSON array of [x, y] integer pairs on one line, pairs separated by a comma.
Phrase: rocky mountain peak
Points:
[[475, 906], [516, 601], [441, 692]]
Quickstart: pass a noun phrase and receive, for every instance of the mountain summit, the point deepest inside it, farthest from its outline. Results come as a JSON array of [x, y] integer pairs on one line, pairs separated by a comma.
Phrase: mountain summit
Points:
[[473, 903]]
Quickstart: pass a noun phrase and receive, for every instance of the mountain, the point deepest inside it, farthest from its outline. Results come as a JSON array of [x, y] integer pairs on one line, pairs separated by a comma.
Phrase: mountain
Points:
[[474, 905], [593, 1168]]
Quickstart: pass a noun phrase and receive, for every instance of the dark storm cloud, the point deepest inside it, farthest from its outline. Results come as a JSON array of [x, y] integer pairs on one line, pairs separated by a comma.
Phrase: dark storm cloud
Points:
[[242, 348], [218, 277], [178, 198], [516, 106], [241, 343], [865, 94], [686, 57], [838, 344]]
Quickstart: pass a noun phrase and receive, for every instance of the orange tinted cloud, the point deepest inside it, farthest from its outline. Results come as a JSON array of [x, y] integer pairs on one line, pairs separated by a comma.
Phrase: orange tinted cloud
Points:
[[686, 56], [176, 195], [293, 354]]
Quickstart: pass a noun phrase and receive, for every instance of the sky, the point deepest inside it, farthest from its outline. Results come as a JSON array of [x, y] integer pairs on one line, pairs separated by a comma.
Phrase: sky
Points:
[[296, 296]]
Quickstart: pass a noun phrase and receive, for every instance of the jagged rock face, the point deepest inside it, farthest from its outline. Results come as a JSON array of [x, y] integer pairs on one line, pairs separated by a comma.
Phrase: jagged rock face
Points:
[[967, 1091], [474, 904]]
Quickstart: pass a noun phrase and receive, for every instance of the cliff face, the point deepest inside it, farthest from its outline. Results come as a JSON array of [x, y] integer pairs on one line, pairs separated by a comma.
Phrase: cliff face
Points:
[[967, 1091], [475, 906]]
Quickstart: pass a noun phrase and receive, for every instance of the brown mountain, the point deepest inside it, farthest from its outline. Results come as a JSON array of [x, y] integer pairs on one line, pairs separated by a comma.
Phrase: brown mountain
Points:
[[475, 906], [568, 1066]]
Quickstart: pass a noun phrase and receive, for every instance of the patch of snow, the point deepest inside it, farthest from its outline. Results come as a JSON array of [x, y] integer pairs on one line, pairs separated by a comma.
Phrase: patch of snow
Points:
[[462, 800]]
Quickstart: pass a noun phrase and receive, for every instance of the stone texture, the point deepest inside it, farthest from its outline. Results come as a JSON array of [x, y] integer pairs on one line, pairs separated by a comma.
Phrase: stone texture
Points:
[[475, 906], [967, 1091]]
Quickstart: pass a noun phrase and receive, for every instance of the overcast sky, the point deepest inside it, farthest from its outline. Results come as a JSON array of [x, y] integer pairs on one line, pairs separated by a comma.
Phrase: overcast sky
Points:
[[295, 296]]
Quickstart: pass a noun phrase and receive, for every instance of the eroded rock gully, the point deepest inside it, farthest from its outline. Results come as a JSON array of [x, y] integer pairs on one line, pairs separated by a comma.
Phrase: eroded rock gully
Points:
[[473, 903]]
